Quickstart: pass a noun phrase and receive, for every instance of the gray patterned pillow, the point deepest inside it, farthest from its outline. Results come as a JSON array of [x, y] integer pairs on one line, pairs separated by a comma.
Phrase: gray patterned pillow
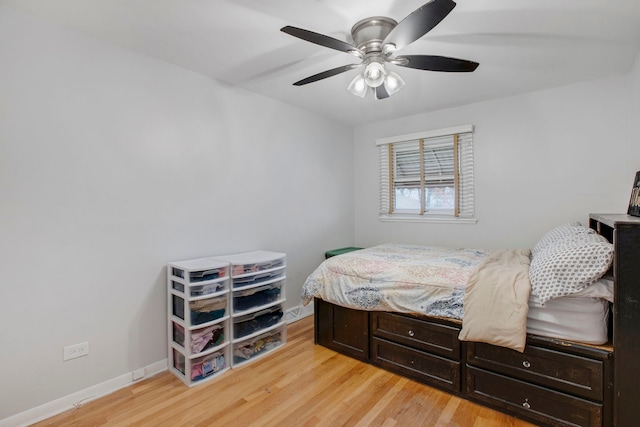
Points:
[[569, 265], [558, 233]]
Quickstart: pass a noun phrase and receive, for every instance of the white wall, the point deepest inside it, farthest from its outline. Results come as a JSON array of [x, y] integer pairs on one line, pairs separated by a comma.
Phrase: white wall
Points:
[[541, 159], [113, 164], [635, 93]]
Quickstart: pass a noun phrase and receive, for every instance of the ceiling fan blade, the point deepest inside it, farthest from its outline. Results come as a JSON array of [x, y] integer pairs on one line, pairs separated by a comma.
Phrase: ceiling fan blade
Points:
[[419, 23], [325, 74], [381, 92], [322, 40], [435, 63]]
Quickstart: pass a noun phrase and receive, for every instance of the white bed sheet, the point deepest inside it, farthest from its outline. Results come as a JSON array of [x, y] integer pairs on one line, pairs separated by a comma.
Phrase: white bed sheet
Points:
[[582, 317]]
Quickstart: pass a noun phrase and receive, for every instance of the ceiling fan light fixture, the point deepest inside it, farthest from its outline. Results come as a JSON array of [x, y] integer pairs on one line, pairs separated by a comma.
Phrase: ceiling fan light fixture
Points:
[[376, 41], [374, 74], [393, 82], [358, 86]]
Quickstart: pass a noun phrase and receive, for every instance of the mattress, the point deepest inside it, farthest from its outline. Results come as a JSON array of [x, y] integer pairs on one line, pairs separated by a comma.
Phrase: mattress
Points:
[[582, 317], [397, 278]]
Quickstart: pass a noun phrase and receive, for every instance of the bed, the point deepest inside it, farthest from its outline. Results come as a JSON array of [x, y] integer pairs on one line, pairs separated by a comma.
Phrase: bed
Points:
[[515, 330]]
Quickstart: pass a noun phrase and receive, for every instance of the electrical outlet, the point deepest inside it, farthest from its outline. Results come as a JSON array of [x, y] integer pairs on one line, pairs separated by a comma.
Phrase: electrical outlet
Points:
[[75, 351]]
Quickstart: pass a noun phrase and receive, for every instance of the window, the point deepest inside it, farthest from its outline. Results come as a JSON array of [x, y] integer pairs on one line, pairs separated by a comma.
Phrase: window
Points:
[[427, 176]]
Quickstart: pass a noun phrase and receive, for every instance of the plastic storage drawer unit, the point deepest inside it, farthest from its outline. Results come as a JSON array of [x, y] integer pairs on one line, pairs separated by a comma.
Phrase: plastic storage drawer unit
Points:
[[256, 297], [198, 322]]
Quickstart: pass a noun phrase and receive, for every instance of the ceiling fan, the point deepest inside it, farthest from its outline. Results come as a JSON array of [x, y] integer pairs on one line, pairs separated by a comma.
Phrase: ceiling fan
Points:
[[376, 40]]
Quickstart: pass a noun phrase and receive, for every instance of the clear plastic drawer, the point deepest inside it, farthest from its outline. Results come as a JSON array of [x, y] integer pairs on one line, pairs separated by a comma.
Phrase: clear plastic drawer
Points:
[[237, 270], [249, 349], [200, 311], [256, 279], [199, 270], [201, 290], [201, 367], [201, 339], [254, 322], [256, 297]]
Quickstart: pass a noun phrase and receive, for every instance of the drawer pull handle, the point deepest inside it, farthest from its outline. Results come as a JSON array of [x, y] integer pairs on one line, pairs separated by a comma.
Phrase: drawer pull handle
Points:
[[411, 333], [526, 404], [526, 364]]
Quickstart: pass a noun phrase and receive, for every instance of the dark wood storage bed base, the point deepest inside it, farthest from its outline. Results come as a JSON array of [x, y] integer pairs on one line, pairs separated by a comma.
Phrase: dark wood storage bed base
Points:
[[554, 382]]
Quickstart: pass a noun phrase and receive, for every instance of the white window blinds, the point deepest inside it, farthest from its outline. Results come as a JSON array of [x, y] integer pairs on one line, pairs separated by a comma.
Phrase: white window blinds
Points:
[[429, 174]]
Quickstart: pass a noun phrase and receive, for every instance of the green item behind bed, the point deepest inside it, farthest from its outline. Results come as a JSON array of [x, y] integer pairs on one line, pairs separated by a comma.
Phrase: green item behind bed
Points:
[[340, 251]]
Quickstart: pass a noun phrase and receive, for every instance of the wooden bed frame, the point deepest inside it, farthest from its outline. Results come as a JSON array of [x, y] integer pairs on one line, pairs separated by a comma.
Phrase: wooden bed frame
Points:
[[554, 382]]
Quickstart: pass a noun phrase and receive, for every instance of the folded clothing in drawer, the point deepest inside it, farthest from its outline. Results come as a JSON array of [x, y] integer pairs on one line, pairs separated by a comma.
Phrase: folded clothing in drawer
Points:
[[201, 311], [201, 339], [248, 349], [246, 325], [207, 365], [207, 310], [255, 297], [201, 367]]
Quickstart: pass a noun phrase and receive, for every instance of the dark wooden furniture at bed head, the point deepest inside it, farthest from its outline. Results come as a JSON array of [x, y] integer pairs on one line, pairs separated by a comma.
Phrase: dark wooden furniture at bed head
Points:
[[624, 232], [554, 382]]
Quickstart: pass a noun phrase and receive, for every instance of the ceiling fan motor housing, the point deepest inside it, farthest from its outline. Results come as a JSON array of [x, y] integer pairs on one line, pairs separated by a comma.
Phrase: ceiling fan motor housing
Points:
[[368, 34]]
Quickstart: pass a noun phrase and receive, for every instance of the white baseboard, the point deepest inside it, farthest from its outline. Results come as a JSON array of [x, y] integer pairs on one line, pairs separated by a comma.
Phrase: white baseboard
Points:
[[81, 397], [299, 312]]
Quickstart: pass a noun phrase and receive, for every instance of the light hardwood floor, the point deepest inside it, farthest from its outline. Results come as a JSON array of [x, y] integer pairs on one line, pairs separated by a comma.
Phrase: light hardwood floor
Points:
[[299, 385]]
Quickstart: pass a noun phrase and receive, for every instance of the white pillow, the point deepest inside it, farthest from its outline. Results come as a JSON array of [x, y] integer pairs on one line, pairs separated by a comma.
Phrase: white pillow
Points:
[[569, 265], [558, 233], [601, 288]]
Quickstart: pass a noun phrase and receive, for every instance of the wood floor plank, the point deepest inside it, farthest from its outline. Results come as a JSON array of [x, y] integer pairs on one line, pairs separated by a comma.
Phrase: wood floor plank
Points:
[[299, 385], [385, 399], [331, 403]]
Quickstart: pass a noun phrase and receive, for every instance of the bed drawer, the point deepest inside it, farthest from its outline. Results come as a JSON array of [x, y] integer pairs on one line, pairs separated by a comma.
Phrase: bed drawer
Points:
[[342, 329], [421, 334], [533, 402], [573, 374], [409, 362]]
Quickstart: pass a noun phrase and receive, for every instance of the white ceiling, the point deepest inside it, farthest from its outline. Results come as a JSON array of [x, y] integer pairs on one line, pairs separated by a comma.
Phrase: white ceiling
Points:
[[521, 45]]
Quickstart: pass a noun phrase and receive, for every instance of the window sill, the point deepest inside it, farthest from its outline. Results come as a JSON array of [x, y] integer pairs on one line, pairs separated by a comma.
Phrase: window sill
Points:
[[426, 219]]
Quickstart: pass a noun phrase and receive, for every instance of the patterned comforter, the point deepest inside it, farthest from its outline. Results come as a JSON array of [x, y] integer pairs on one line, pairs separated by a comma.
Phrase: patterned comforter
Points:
[[395, 277]]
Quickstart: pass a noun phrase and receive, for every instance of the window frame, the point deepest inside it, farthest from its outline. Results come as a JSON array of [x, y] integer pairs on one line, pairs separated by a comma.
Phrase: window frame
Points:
[[464, 173]]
